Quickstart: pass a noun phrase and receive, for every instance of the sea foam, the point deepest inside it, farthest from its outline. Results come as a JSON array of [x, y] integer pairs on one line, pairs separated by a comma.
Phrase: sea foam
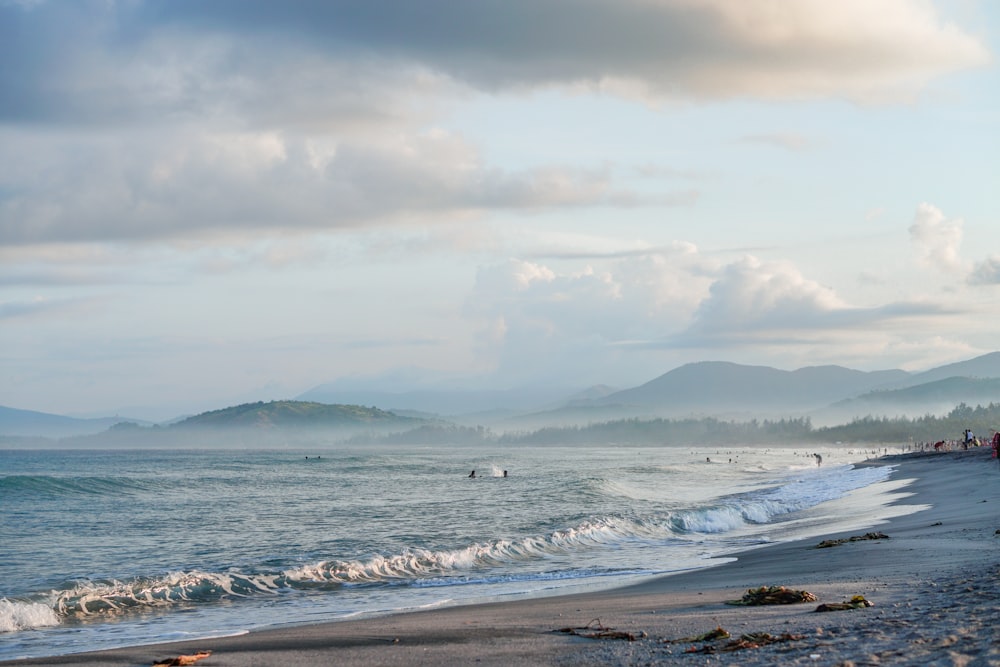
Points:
[[18, 616]]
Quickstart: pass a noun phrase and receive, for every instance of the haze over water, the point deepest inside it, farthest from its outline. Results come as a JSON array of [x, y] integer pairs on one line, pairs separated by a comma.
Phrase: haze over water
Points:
[[111, 548]]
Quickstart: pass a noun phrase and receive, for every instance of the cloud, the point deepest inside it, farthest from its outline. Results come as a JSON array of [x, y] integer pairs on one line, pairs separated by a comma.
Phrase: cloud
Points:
[[112, 62], [179, 119], [986, 272], [709, 48], [936, 239], [535, 320], [188, 182], [766, 303]]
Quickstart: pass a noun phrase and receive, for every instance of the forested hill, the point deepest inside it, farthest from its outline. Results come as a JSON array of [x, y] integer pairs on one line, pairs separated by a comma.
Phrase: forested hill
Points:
[[295, 414]]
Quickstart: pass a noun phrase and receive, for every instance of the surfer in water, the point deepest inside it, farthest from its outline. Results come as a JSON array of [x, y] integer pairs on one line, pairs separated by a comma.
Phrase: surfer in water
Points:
[[819, 459], [472, 474]]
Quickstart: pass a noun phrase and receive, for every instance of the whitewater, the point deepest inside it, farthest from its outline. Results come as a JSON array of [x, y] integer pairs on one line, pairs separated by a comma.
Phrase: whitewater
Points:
[[101, 549]]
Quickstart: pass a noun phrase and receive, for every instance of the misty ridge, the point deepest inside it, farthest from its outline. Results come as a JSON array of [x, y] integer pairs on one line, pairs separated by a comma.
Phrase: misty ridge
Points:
[[698, 403]]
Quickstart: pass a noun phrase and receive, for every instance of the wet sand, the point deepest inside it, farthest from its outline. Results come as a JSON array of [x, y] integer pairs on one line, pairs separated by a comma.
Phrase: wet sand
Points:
[[934, 583]]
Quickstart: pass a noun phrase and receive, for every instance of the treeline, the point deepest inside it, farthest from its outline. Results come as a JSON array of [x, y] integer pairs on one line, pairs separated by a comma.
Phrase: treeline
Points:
[[709, 430], [983, 420], [667, 432]]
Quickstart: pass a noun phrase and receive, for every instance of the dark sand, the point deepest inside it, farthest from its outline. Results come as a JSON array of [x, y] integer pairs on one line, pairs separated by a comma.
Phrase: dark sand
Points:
[[935, 584]]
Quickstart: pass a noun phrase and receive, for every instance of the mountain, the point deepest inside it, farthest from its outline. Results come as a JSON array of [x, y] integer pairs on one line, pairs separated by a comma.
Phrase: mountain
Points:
[[712, 387], [295, 415], [936, 398], [29, 423], [271, 424], [708, 388], [946, 394], [984, 366]]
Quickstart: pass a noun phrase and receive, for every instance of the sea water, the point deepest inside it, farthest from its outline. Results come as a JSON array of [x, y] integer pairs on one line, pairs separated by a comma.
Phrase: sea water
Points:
[[100, 549]]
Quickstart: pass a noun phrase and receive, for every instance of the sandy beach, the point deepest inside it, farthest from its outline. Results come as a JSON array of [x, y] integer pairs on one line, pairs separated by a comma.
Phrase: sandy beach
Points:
[[933, 581]]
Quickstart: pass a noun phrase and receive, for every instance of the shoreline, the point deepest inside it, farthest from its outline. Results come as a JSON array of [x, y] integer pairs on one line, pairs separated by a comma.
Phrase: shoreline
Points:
[[935, 584]]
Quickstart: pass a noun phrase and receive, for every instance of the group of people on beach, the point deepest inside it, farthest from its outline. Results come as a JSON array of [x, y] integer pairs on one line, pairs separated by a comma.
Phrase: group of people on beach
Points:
[[969, 439]]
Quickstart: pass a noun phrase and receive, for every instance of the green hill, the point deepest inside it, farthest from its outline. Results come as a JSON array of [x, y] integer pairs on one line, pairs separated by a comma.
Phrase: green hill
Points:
[[295, 415]]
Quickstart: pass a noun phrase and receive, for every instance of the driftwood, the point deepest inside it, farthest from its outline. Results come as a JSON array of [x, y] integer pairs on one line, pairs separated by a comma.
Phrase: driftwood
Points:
[[773, 595], [856, 602], [856, 538], [182, 660], [598, 631]]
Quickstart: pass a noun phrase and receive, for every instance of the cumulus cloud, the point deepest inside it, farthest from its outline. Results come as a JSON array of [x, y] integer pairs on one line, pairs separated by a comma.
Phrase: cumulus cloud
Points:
[[755, 302], [937, 239], [535, 319]]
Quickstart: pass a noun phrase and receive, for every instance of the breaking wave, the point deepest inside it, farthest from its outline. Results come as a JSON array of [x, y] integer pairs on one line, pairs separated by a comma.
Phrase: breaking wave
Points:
[[418, 567], [17, 616]]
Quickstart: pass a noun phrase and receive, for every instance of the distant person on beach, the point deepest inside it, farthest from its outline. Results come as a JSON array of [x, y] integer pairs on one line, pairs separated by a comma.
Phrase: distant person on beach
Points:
[[819, 459]]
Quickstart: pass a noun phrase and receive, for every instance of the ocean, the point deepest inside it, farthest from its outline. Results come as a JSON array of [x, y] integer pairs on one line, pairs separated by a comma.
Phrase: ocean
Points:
[[102, 549]]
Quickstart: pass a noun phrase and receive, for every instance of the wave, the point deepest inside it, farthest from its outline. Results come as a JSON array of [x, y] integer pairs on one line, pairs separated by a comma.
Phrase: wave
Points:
[[17, 616], [418, 567], [52, 486]]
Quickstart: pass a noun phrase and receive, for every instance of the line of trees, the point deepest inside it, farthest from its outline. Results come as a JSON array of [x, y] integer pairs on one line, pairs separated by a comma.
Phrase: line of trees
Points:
[[983, 420]]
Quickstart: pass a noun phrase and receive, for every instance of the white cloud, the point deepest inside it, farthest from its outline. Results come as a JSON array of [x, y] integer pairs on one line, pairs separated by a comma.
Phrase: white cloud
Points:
[[767, 303], [536, 321], [260, 115], [189, 182], [937, 239], [751, 296]]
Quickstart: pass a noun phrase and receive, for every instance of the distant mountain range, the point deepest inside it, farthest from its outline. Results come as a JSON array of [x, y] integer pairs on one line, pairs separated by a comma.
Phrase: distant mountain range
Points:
[[828, 394], [718, 386], [31, 423]]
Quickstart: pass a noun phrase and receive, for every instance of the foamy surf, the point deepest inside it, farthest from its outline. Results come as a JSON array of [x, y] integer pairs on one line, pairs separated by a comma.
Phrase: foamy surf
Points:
[[366, 534], [18, 616]]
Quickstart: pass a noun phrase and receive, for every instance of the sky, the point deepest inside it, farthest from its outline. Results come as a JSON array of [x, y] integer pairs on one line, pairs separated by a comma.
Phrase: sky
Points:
[[209, 203]]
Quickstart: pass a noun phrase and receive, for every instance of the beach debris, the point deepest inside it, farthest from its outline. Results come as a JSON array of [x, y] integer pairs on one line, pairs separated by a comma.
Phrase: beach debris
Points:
[[182, 660], [596, 630], [711, 635], [856, 602], [773, 595], [745, 641], [855, 538]]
